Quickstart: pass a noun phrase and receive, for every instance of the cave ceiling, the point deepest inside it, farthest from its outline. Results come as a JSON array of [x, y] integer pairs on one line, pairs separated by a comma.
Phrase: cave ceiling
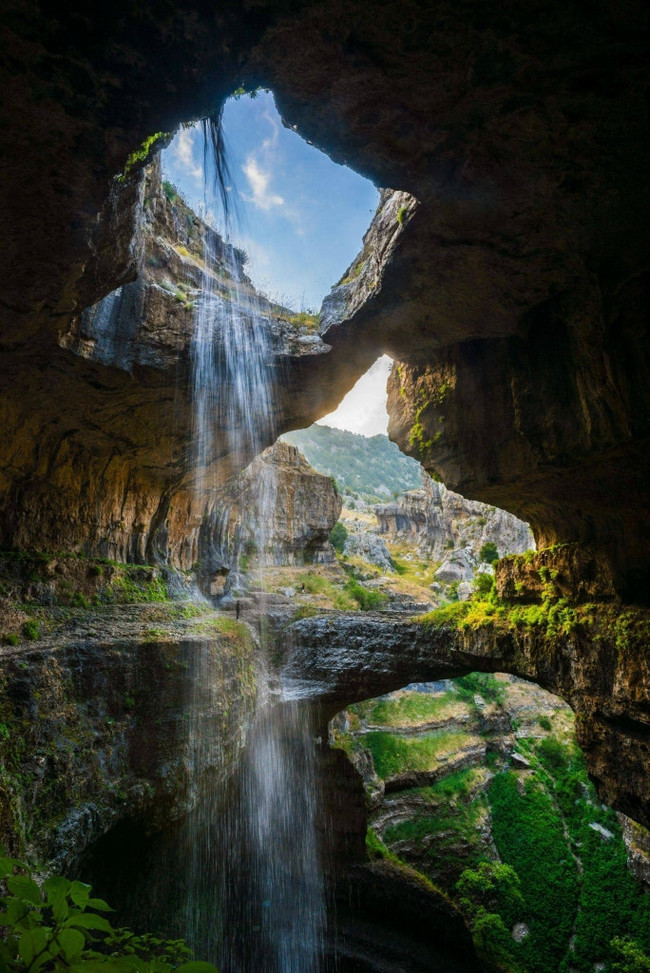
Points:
[[519, 288]]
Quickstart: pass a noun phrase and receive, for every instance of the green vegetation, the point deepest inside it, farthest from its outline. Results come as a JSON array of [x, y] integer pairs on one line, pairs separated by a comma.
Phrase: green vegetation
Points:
[[170, 191], [60, 927], [566, 881], [31, 629], [338, 536], [406, 708], [366, 599], [397, 754], [401, 213], [371, 469], [481, 684], [489, 553], [305, 320], [143, 154]]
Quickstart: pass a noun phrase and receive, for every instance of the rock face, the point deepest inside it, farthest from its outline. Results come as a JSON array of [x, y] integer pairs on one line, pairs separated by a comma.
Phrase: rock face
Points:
[[279, 511], [599, 667], [371, 548], [513, 293], [436, 520], [125, 729]]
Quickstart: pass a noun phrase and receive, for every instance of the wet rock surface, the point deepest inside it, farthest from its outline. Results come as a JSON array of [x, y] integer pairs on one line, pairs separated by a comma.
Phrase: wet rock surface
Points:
[[120, 716]]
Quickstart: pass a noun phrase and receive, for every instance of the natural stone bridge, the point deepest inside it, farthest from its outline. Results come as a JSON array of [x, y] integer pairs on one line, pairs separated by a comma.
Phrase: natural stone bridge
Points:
[[347, 657]]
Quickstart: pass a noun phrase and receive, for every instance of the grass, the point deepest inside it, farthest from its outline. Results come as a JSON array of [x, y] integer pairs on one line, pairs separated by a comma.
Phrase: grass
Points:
[[461, 821], [408, 708], [394, 755]]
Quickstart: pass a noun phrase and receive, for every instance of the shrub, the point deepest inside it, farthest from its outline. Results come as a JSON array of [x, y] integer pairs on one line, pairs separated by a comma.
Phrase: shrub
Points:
[[58, 927], [484, 583], [545, 723], [489, 553], [338, 536], [32, 629]]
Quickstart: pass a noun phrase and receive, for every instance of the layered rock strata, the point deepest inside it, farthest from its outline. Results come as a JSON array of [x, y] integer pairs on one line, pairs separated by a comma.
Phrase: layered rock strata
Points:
[[599, 666], [278, 511], [435, 520], [122, 718]]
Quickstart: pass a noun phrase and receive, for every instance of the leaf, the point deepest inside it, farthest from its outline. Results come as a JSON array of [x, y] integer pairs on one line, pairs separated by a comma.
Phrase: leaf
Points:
[[80, 893], [24, 888], [60, 908], [71, 942], [7, 866], [16, 911], [99, 904], [31, 943], [86, 920], [56, 885]]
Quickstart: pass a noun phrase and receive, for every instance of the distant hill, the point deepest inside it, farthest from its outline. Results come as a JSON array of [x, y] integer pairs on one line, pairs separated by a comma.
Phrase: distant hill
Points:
[[371, 469]]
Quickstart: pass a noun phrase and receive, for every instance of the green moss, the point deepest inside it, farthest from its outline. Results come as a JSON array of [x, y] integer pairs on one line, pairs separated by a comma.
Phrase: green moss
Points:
[[393, 755], [142, 155]]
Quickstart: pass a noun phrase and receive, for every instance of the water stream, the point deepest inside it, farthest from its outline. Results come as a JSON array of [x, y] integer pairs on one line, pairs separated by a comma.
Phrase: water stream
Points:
[[255, 897]]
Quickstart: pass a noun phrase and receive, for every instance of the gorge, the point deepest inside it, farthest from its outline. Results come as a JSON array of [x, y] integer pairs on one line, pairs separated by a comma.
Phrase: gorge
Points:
[[505, 272]]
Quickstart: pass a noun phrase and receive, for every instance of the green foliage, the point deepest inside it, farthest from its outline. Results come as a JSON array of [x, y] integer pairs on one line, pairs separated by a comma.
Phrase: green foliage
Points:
[[489, 553], [406, 708], [630, 957], [31, 629], [142, 154], [59, 927], [338, 536], [305, 320], [401, 213], [373, 468], [481, 684], [545, 723], [484, 583], [529, 836], [377, 850], [394, 755], [366, 599]]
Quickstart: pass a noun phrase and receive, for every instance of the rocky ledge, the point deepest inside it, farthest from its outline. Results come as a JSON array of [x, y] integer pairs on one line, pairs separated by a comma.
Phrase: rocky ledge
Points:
[[594, 658]]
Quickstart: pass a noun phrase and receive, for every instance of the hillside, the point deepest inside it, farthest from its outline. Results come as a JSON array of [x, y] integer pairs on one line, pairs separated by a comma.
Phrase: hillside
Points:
[[371, 469]]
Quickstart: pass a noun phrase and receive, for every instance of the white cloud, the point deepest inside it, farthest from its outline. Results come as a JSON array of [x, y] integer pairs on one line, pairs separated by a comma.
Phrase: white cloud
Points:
[[183, 152], [259, 180], [363, 410]]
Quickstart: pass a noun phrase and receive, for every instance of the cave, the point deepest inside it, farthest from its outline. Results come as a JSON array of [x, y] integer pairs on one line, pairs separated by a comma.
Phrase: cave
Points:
[[505, 273]]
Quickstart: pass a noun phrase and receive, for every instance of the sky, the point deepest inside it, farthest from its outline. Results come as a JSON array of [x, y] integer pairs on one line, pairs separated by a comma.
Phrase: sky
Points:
[[302, 216], [363, 409]]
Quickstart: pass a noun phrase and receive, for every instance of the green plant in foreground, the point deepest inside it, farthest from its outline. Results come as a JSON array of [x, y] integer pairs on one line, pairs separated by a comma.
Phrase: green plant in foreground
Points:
[[57, 927]]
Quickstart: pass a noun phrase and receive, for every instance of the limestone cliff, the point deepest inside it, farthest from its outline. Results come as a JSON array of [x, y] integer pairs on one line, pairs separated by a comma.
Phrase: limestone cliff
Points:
[[118, 715], [278, 511], [435, 520]]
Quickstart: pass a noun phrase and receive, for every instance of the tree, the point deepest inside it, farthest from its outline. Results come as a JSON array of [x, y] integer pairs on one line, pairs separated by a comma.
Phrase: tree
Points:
[[489, 553]]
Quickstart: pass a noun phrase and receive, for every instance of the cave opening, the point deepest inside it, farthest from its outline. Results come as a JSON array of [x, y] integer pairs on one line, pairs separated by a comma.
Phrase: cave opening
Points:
[[478, 783], [298, 216]]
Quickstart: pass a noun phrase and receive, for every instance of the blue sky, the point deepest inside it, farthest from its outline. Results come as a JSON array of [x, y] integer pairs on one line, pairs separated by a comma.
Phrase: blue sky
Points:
[[303, 216]]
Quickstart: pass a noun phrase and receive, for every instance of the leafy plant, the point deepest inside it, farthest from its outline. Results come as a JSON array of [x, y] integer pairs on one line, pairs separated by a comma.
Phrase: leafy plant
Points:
[[338, 536], [59, 927], [31, 629], [489, 553]]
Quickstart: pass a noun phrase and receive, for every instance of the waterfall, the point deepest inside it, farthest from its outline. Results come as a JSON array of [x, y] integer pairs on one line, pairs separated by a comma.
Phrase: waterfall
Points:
[[255, 886]]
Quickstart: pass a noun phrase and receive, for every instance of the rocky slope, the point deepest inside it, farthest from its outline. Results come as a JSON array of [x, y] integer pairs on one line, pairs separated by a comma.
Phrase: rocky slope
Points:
[[437, 760], [434, 520]]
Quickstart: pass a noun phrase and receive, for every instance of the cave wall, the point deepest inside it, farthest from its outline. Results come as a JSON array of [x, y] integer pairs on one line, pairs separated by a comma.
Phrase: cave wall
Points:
[[521, 132]]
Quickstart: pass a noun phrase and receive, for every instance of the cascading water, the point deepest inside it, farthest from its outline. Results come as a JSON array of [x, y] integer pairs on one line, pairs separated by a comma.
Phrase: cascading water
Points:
[[256, 862]]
